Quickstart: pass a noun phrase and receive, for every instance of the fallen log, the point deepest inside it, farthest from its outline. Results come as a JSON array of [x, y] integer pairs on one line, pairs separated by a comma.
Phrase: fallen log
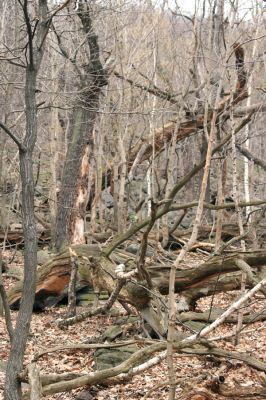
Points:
[[218, 274], [55, 383], [11, 237]]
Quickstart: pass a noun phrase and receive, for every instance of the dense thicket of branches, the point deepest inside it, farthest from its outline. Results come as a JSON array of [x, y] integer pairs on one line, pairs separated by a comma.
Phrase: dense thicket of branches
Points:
[[132, 121]]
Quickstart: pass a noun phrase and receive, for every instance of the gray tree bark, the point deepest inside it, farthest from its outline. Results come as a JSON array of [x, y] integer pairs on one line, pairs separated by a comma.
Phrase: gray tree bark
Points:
[[34, 55], [73, 194]]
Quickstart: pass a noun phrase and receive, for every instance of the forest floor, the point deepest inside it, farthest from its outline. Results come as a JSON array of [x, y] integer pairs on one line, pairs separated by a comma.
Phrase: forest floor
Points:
[[192, 373]]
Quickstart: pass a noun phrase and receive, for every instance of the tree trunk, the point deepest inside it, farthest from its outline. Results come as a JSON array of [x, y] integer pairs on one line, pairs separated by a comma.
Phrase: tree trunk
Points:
[[15, 361], [34, 54], [73, 195], [206, 279]]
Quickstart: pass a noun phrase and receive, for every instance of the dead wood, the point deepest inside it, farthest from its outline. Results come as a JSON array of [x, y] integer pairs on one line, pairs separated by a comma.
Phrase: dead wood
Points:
[[91, 346], [17, 236], [72, 284], [235, 355], [210, 317], [241, 392], [35, 382], [156, 140], [100, 310], [55, 383], [60, 384], [94, 268], [167, 203]]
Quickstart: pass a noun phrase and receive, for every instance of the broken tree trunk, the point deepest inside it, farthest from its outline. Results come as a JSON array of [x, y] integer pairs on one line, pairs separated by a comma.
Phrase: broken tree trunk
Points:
[[221, 273], [73, 195]]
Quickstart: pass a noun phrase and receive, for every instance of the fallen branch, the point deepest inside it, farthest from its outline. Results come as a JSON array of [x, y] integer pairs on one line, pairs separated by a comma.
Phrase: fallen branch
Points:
[[215, 351], [207, 317], [34, 381], [55, 383], [90, 346], [96, 269], [234, 307], [241, 392], [100, 310], [245, 268]]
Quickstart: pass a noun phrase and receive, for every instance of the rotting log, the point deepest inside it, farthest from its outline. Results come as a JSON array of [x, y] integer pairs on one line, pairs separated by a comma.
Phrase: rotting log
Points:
[[17, 236], [94, 269], [218, 274]]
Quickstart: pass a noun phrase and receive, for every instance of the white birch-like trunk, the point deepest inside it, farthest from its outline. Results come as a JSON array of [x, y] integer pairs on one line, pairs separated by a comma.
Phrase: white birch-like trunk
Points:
[[240, 223], [123, 172], [247, 128]]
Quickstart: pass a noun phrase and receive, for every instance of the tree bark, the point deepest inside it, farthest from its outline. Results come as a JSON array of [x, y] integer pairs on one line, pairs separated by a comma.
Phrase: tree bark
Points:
[[205, 279], [15, 361], [73, 195], [34, 54]]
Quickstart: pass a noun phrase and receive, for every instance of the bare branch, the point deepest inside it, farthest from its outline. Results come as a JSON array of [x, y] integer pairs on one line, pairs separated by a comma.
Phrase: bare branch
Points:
[[251, 157], [234, 307], [13, 137]]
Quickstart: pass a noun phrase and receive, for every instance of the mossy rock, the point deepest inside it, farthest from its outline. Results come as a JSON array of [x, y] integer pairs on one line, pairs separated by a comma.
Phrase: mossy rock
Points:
[[195, 325], [43, 256], [128, 320], [112, 333], [108, 358]]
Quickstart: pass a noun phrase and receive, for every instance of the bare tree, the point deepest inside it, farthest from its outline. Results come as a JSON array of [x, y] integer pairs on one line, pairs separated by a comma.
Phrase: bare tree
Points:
[[72, 199], [34, 44]]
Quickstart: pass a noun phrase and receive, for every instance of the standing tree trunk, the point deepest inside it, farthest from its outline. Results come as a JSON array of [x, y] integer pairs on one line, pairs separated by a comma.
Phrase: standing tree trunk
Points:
[[73, 195], [35, 40]]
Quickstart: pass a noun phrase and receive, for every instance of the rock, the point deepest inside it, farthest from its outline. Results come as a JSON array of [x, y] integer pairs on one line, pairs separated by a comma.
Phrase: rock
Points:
[[195, 325], [132, 319], [43, 256], [85, 395], [112, 333], [134, 248], [107, 198], [108, 358]]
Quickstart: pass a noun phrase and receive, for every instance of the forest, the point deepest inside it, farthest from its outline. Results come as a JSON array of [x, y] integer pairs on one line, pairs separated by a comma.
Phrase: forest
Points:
[[132, 199]]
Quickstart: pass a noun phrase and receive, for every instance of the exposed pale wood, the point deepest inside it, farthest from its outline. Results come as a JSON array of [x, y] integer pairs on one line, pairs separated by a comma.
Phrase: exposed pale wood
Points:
[[96, 269], [35, 382], [56, 383]]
